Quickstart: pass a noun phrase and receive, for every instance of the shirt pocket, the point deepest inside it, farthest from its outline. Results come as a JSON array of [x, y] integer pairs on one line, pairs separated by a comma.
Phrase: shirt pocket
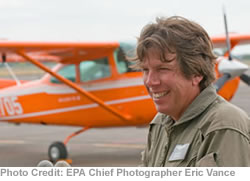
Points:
[[191, 157], [208, 161]]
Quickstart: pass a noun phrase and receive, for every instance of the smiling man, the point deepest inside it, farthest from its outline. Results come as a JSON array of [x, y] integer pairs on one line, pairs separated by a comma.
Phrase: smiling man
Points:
[[194, 126]]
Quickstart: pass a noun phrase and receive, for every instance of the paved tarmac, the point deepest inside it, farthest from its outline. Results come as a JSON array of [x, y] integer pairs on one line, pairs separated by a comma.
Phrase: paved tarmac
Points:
[[26, 145]]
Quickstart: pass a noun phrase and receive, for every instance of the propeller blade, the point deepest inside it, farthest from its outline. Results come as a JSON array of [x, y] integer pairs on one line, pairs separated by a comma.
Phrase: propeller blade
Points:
[[227, 35], [221, 81], [231, 70], [245, 78]]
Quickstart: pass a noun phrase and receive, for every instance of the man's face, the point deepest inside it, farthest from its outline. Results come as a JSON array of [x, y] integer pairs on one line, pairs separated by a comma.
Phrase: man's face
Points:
[[169, 89]]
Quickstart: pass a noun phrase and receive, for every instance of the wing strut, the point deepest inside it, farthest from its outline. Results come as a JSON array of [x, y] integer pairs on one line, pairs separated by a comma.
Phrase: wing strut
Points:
[[10, 70], [90, 96]]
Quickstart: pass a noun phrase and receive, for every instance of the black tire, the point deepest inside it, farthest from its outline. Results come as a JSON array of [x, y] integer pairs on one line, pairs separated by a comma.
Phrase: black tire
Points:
[[57, 151]]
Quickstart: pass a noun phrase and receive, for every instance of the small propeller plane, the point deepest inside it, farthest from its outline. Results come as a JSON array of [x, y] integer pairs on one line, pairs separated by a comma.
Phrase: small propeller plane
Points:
[[91, 86]]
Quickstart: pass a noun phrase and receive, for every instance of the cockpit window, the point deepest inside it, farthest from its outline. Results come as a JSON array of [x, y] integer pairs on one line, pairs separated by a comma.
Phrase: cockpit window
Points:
[[121, 54], [94, 69], [68, 72]]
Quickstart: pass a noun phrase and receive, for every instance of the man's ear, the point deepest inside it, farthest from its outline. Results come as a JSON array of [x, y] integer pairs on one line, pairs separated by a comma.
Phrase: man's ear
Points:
[[196, 79]]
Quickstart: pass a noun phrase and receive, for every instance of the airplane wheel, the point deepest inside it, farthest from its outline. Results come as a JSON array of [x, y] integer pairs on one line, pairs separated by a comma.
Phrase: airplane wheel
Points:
[[57, 151]]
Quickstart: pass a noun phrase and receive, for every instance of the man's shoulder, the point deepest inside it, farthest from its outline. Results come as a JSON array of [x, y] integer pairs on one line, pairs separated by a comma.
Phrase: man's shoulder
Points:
[[224, 115]]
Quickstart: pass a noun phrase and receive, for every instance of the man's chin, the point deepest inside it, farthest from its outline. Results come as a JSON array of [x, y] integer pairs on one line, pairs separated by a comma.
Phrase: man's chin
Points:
[[161, 110]]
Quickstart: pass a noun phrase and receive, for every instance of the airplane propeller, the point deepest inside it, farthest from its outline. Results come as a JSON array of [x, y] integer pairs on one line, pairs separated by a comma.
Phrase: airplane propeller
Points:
[[227, 35], [245, 78], [229, 67], [221, 81]]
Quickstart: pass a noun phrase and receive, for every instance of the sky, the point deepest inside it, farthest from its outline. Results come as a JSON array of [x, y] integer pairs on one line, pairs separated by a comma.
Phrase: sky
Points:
[[111, 20]]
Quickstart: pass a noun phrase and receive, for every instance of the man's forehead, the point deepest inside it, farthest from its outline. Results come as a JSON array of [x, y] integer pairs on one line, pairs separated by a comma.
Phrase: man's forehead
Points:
[[170, 56], [158, 57], [157, 63], [156, 53]]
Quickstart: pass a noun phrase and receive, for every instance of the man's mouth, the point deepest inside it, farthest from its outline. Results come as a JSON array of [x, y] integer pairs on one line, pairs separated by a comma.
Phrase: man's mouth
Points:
[[159, 94]]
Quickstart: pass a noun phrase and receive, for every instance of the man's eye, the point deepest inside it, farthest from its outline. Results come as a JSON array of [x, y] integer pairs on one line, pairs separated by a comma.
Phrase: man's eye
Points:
[[164, 69]]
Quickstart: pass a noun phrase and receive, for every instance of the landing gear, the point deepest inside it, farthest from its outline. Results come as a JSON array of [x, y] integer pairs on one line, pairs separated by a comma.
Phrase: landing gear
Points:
[[58, 151]]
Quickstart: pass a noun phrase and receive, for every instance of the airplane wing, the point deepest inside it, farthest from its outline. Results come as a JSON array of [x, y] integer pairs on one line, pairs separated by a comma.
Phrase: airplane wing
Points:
[[63, 52], [236, 39], [68, 53], [74, 52]]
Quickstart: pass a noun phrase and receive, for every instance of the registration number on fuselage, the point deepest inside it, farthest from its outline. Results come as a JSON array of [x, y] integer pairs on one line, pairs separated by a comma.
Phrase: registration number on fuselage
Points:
[[10, 106]]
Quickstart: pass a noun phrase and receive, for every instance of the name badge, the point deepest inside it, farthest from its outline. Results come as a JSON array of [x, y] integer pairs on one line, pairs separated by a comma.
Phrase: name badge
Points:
[[179, 152]]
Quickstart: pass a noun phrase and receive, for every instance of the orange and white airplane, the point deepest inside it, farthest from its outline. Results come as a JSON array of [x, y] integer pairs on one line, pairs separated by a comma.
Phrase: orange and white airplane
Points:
[[92, 86]]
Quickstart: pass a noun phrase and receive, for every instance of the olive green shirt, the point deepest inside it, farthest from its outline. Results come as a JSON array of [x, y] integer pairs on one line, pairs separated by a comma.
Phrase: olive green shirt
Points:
[[211, 132]]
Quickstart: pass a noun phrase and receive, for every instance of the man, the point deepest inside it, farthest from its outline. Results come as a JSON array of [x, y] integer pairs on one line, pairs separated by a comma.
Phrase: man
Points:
[[194, 126]]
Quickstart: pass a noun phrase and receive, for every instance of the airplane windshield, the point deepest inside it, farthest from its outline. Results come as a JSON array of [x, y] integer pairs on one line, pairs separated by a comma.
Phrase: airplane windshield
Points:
[[121, 54], [89, 70], [68, 72], [93, 70]]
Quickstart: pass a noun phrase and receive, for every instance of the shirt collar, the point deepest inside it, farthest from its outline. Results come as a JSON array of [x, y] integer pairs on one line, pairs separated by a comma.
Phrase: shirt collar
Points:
[[199, 104]]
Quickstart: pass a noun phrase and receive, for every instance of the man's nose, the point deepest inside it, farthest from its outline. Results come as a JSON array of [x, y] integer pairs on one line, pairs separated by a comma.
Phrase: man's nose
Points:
[[151, 79]]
